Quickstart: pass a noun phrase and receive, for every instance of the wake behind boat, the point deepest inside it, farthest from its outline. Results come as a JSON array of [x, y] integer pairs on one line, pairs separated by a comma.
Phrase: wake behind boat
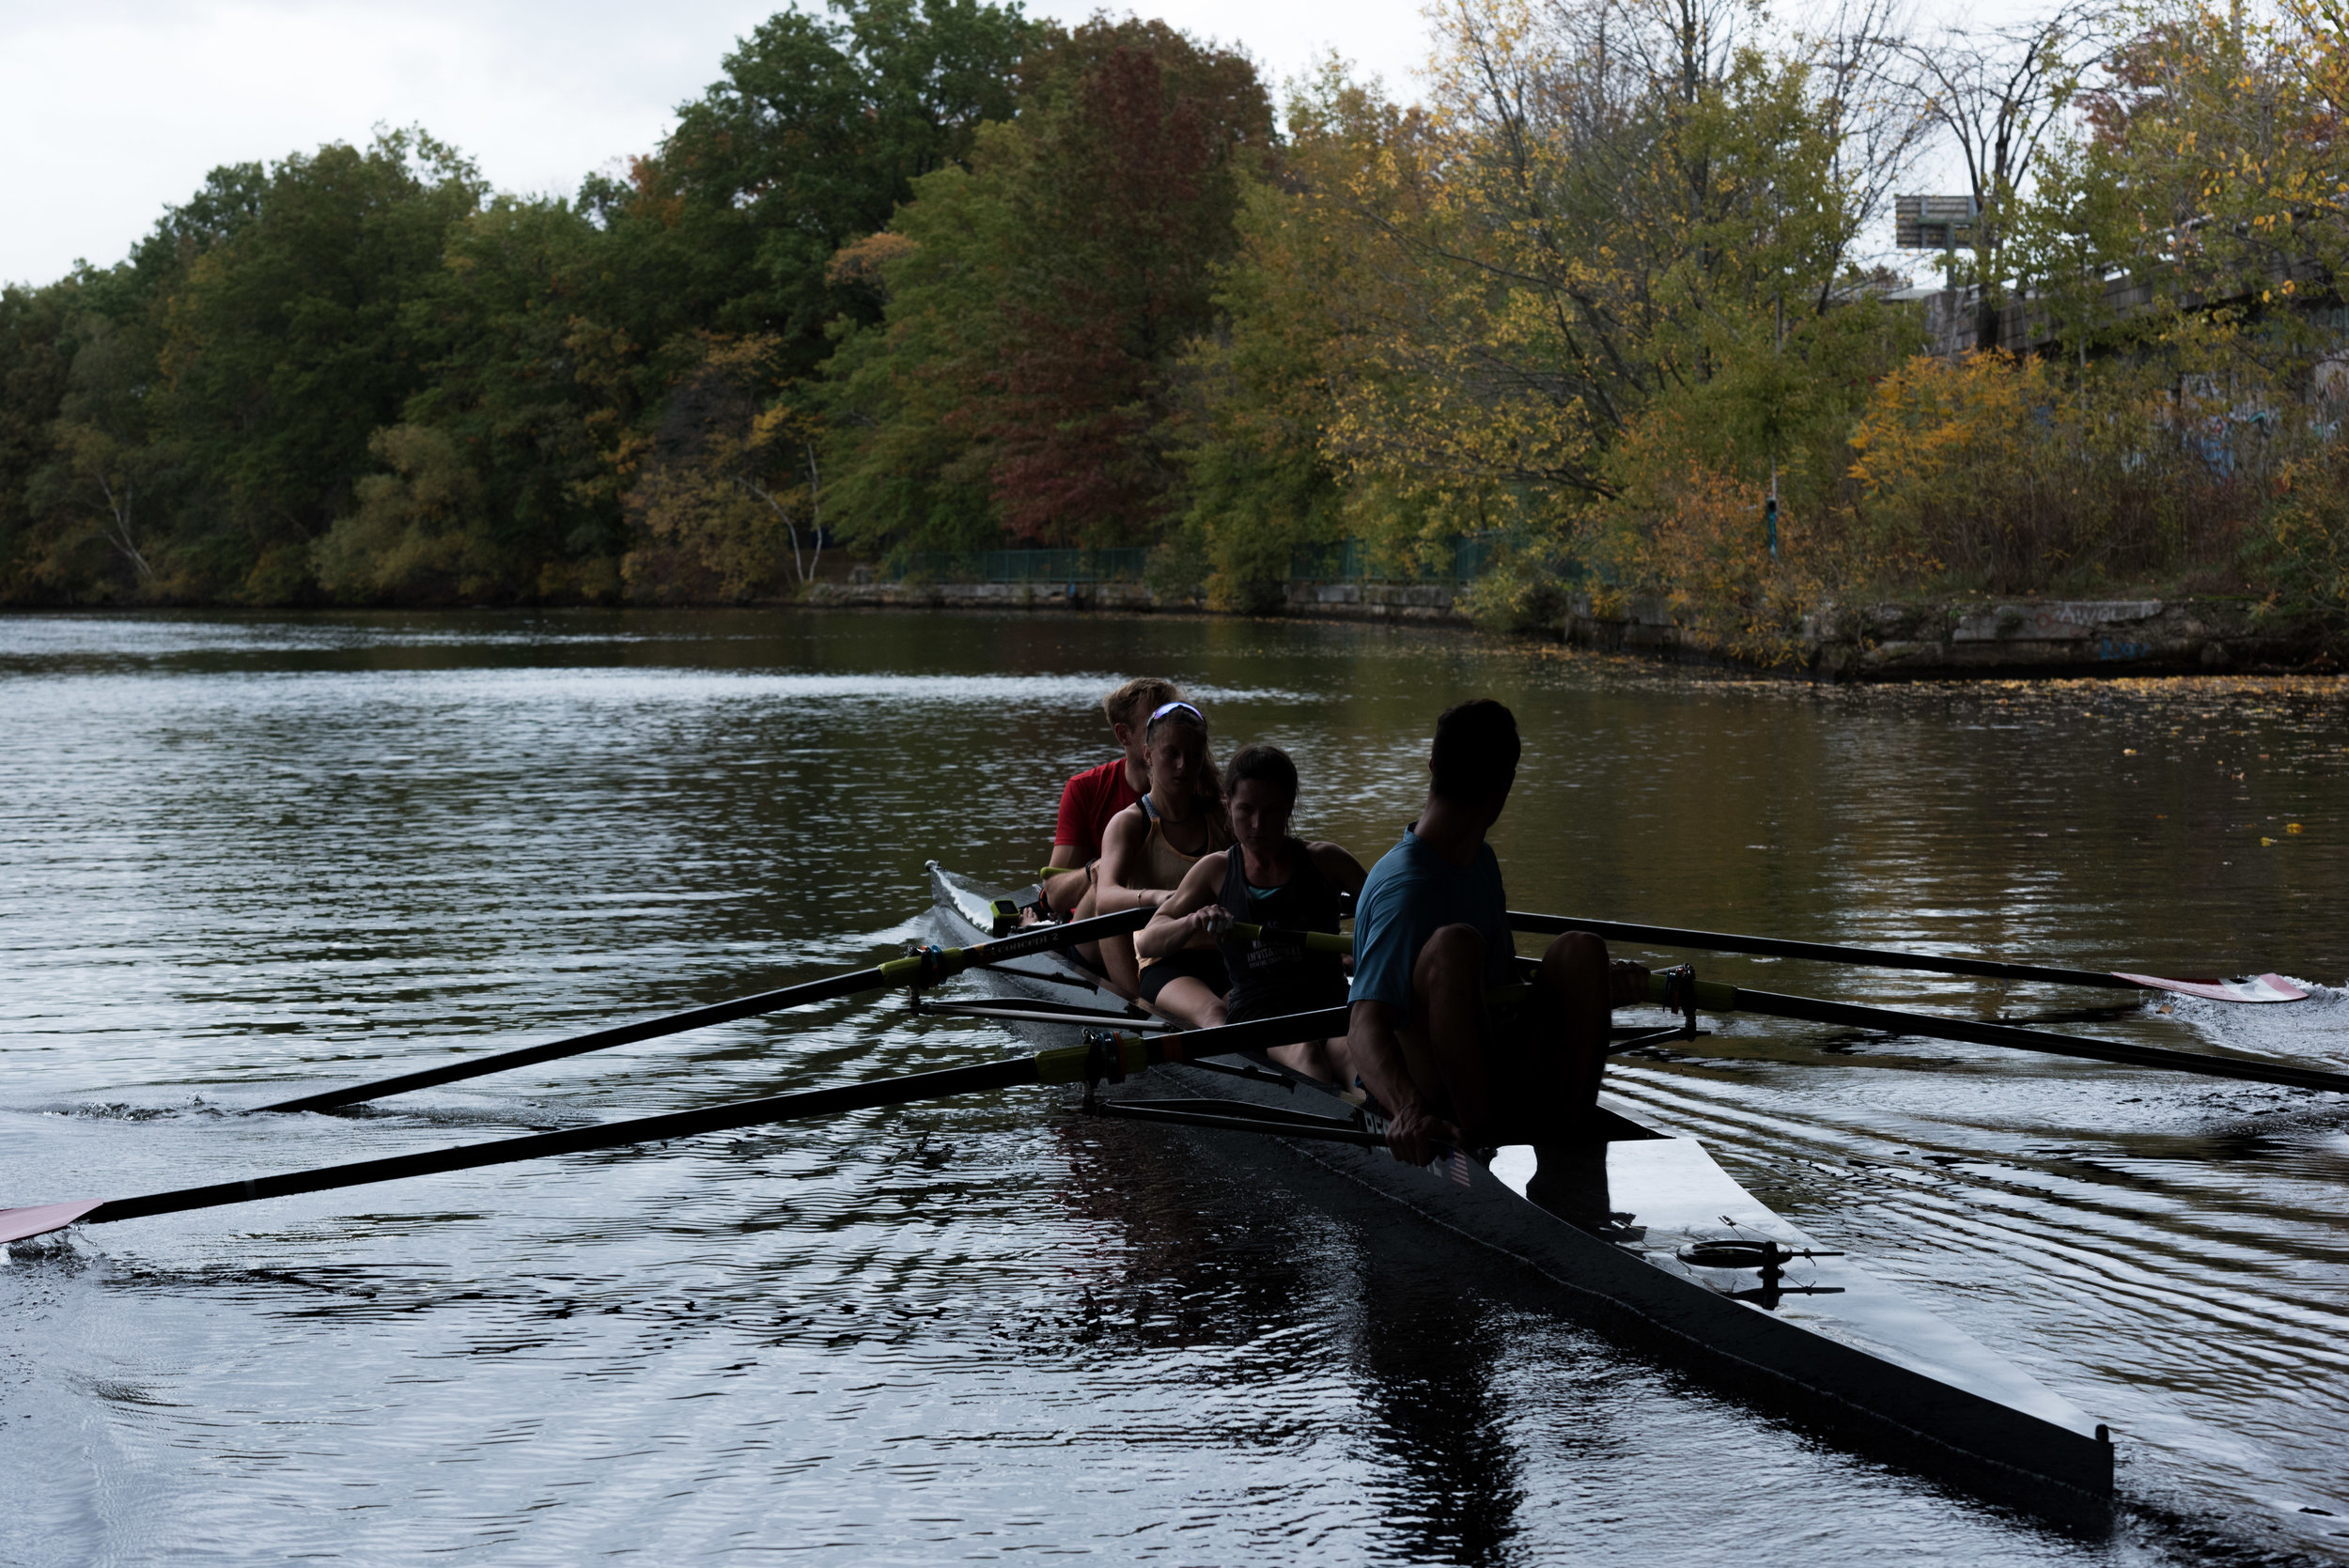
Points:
[[1655, 1244]]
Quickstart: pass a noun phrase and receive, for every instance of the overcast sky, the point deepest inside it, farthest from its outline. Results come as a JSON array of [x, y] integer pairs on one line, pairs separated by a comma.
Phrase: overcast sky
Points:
[[112, 109]]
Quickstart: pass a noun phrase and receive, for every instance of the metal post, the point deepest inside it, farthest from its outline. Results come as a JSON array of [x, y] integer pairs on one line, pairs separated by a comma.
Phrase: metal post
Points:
[[1769, 509]]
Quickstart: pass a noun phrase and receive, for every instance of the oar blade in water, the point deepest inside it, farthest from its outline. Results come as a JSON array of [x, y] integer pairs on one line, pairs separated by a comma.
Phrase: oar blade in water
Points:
[[2258, 988], [42, 1218]]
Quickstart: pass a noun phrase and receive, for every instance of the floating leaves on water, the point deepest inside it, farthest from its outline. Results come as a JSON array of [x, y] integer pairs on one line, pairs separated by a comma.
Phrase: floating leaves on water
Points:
[[2294, 827], [2265, 842]]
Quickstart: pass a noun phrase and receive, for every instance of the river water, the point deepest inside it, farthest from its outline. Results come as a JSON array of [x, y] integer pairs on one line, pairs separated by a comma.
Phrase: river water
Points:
[[240, 855]]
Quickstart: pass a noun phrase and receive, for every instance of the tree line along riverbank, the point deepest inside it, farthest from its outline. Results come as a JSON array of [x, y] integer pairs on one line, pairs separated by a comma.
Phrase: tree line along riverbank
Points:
[[918, 278]]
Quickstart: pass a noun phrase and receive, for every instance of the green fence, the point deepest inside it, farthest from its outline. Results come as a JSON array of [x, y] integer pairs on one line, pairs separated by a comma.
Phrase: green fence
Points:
[[1346, 562], [1025, 566], [1352, 561]]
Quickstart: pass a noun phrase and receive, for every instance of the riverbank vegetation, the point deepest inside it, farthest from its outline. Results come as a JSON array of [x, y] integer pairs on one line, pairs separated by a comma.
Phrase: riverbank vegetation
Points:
[[938, 277]]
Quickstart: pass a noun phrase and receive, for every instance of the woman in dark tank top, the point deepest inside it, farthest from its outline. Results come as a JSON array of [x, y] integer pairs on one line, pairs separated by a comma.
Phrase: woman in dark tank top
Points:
[[1266, 878], [1269, 978]]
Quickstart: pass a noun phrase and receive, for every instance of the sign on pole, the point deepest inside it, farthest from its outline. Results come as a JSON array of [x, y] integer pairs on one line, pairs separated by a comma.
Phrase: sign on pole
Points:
[[1932, 222]]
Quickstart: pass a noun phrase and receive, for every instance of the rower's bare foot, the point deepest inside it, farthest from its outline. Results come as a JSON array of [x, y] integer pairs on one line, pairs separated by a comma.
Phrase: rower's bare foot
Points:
[[1570, 1181]]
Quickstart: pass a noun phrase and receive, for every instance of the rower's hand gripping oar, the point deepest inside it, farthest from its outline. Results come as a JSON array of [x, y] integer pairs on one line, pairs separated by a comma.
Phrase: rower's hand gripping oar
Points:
[[1104, 1055], [924, 968], [2264, 987], [1311, 941]]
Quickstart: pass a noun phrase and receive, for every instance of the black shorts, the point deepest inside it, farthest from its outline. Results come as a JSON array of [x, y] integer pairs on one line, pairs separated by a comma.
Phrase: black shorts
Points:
[[1200, 963]]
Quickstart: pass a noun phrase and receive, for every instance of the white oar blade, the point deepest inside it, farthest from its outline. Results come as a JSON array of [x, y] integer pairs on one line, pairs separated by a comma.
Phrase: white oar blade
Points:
[[2260, 987], [23, 1225]]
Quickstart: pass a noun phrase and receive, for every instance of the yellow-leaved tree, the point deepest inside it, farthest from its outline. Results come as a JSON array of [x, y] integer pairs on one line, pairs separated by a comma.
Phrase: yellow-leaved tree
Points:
[[1609, 258], [728, 495]]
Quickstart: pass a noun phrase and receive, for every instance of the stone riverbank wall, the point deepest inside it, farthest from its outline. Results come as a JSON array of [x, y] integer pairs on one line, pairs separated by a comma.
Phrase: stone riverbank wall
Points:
[[1862, 641]]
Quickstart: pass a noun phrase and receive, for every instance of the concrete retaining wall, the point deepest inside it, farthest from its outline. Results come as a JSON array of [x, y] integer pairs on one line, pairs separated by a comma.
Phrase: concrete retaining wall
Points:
[[1864, 641], [1375, 601], [1127, 597], [1973, 637], [1352, 602]]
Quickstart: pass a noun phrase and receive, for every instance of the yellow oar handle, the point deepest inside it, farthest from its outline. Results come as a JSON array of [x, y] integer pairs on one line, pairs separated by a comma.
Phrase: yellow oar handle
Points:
[[1313, 941], [1713, 996]]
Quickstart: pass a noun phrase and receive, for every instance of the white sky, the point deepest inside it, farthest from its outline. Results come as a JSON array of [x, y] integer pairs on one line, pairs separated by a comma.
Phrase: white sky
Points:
[[111, 110]]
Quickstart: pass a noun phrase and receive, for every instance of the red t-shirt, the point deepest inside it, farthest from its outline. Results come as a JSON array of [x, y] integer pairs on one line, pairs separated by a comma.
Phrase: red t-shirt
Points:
[[1088, 802]]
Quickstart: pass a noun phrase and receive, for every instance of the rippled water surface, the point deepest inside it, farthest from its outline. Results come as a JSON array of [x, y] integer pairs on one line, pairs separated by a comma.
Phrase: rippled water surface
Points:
[[242, 855]]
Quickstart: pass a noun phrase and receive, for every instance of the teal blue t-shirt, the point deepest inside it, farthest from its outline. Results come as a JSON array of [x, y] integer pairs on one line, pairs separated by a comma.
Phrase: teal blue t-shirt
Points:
[[1410, 892]]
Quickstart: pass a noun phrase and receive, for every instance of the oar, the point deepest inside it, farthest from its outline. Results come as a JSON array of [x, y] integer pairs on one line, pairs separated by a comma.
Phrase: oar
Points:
[[2266, 987], [1714, 996], [926, 968], [1311, 941], [1101, 1056]]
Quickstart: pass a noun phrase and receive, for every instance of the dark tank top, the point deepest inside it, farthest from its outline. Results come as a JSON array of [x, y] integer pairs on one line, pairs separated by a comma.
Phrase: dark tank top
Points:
[[1272, 978]]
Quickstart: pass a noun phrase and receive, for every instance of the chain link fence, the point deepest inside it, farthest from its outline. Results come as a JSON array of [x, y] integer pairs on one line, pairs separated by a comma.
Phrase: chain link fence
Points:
[[1350, 561], [1023, 566]]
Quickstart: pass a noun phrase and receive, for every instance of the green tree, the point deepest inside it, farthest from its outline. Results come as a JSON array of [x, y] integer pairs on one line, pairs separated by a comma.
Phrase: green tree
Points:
[[537, 379], [289, 340], [109, 473], [36, 361], [727, 499], [419, 532], [1037, 302], [816, 134], [1263, 381]]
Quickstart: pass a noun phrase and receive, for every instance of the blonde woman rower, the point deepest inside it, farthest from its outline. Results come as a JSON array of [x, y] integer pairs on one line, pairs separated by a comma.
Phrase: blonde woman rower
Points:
[[1150, 848]]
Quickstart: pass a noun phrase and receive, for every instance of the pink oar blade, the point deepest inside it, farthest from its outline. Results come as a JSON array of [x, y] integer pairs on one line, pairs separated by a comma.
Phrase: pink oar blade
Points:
[[42, 1218], [2263, 987]]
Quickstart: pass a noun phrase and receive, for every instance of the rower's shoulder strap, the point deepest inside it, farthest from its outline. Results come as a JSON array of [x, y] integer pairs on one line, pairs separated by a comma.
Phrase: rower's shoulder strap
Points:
[[1149, 807], [1233, 895]]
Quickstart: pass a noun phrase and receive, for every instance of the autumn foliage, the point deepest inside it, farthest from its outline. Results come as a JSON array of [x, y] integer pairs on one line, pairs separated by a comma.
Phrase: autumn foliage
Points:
[[918, 275], [1038, 299]]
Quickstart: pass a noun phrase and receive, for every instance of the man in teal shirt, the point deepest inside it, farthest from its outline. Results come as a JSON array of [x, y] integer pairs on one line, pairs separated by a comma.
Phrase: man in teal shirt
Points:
[[1441, 1034]]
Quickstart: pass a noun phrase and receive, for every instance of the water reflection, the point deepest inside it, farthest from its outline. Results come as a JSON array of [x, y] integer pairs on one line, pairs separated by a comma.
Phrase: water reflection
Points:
[[1428, 1358]]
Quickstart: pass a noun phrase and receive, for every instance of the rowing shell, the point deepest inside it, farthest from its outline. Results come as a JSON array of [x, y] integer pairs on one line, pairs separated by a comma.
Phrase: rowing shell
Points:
[[1658, 1245]]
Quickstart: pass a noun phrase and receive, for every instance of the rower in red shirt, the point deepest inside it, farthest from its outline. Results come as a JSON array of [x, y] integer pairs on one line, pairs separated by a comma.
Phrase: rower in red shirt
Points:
[[1093, 796]]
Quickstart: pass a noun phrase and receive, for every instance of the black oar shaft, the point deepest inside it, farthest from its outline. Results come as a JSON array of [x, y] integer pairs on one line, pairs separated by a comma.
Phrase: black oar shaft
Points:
[[1130, 1053], [1895, 1021], [898, 972], [1258, 1034], [827, 989], [1825, 952], [1008, 1073]]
